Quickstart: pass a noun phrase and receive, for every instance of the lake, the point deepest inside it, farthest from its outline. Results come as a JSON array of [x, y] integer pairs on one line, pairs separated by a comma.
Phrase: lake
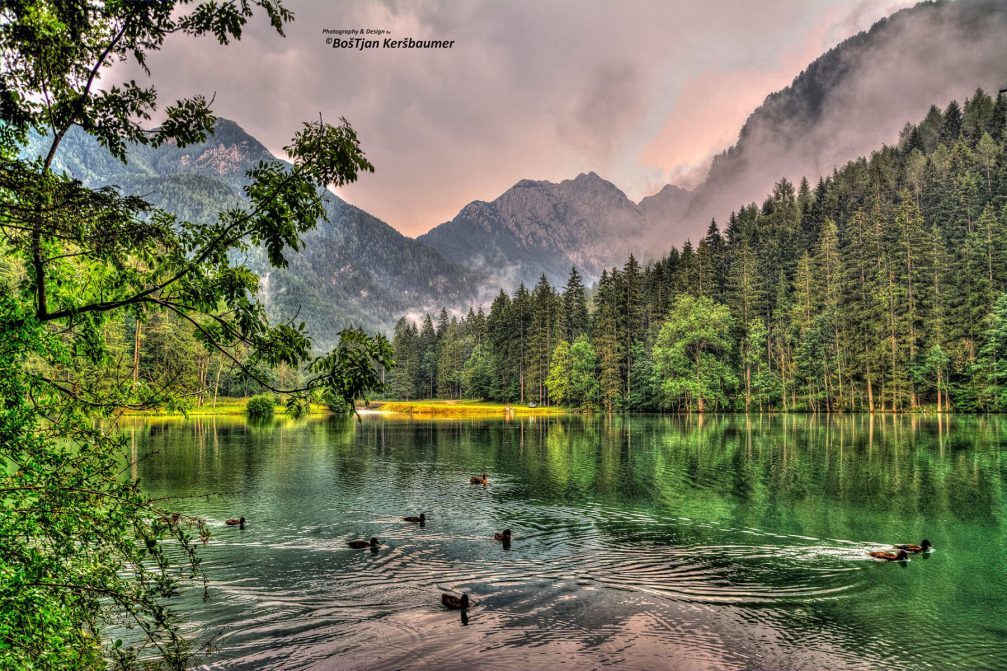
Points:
[[681, 542]]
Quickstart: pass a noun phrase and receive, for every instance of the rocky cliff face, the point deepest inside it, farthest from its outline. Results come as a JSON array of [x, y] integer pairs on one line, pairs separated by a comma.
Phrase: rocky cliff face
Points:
[[539, 227]]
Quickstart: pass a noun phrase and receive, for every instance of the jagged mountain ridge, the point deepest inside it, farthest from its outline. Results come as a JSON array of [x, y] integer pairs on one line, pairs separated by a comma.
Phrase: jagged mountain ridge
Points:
[[541, 227], [353, 268]]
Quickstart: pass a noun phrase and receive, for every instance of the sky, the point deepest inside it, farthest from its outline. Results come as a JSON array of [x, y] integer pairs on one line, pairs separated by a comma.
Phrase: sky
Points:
[[642, 92]]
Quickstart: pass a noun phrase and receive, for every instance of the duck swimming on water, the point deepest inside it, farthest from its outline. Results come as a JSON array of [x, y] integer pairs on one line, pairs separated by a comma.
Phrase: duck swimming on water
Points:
[[925, 546], [479, 479], [239, 523], [890, 556], [452, 602], [416, 520], [502, 536], [360, 545]]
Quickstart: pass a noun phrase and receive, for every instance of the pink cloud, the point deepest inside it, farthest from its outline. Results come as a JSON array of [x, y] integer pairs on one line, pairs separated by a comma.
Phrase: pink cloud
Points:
[[713, 105]]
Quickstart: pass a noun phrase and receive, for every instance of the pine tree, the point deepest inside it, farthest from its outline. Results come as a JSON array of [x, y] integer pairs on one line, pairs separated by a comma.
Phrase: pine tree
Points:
[[542, 338], [828, 289], [520, 324], [952, 127], [401, 381], [500, 335], [993, 358], [427, 349], [605, 335], [574, 316], [629, 284], [479, 374]]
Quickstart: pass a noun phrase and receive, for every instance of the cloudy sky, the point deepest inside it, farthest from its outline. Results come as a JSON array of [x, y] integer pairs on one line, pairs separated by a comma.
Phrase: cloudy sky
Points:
[[643, 92]]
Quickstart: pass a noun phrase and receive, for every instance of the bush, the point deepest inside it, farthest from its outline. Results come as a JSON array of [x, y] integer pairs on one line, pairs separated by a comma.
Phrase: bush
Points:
[[260, 405]]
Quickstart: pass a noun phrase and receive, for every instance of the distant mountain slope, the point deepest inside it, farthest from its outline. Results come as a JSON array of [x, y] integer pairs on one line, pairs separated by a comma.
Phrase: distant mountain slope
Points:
[[353, 268], [665, 206], [539, 227], [856, 97]]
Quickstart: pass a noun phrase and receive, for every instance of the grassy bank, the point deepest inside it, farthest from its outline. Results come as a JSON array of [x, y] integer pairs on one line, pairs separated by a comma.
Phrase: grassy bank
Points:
[[225, 406], [463, 409], [235, 407]]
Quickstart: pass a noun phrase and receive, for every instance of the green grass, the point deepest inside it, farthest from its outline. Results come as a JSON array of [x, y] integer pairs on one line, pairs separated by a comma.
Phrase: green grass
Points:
[[235, 407], [225, 407], [463, 409]]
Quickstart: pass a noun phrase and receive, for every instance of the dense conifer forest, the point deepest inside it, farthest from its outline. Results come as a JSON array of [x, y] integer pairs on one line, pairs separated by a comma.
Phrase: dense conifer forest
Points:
[[880, 288]]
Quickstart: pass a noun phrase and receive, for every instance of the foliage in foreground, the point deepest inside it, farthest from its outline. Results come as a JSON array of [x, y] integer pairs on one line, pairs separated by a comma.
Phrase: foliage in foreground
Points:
[[81, 548]]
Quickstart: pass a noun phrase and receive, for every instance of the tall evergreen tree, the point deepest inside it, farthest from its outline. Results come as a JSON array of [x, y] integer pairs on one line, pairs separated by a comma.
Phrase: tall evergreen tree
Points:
[[574, 316], [542, 338], [605, 335]]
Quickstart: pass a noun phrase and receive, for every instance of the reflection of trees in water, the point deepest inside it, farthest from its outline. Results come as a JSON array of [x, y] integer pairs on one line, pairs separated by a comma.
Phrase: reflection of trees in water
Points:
[[898, 464], [905, 464]]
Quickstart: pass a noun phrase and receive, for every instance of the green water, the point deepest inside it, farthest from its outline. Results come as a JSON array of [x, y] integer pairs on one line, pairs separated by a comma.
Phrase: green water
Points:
[[646, 543]]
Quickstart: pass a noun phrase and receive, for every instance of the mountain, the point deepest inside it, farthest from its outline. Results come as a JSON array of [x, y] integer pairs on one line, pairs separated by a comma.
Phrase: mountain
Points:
[[854, 98], [668, 204], [539, 227], [353, 268]]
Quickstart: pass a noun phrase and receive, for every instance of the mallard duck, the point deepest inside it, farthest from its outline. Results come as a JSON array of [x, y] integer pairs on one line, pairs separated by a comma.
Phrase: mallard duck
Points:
[[416, 520], [925, 546], [360, 545], [453, 602], [240, 523], [502, 536], [889, 556], [479, 479]]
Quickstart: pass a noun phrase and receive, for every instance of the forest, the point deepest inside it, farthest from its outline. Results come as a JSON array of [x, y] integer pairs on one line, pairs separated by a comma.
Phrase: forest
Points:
[[880, 288]]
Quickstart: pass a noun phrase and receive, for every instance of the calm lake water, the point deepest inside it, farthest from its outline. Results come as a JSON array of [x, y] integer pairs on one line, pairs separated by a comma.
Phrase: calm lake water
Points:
[[644, 543]]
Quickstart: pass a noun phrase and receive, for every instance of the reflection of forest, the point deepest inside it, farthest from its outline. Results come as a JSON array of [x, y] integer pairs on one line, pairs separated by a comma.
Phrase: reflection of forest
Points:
[[900, 464]]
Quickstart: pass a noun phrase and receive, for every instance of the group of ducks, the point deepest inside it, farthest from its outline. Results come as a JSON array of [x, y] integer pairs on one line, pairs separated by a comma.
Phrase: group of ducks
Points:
[[903, 551], [450, 601], [453, 602]]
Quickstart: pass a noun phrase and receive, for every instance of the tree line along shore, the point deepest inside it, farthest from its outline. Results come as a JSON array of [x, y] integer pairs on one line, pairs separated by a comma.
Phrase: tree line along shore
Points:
[[880, 288]]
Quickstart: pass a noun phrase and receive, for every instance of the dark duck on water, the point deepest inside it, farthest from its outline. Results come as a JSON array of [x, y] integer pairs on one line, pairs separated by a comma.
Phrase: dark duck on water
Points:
[[360, 545], [452, 602], [889, 556], [925, 546]]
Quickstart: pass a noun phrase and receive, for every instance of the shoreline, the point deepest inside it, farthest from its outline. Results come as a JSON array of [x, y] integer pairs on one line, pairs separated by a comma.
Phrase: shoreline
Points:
[[456, 409], [460, 409]]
